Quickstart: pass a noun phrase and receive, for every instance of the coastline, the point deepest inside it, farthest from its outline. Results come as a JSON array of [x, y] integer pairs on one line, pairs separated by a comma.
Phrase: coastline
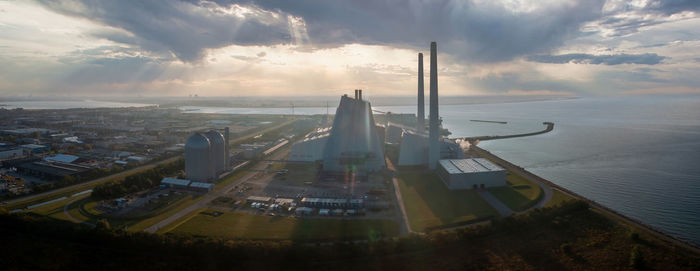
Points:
[[603, 209]]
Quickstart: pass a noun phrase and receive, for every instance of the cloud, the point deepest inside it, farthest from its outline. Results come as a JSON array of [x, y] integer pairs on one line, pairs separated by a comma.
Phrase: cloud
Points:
[[475, 30], [181, 28], [622, 17], [616, 59]]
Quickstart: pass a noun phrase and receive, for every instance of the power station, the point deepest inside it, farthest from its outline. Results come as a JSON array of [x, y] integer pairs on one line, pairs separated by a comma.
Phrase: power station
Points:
[[354, 145]]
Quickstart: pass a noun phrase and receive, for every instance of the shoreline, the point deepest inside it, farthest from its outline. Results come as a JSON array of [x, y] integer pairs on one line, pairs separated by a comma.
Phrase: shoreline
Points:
[[621, 217]]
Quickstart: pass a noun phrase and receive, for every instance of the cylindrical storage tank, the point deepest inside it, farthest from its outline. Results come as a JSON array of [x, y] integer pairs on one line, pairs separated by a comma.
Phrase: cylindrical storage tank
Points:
[[198, 158], [218, 152]]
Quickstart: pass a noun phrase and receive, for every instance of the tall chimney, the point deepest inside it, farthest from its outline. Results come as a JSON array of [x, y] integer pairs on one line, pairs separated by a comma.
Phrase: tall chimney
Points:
[[420, 124], [359, 96], [356, 94], [434, 148], [228, 158]]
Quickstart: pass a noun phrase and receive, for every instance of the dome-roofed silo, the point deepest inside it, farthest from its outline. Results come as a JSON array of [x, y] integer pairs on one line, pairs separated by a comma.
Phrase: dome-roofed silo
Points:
[[218, 153], [198, 165]]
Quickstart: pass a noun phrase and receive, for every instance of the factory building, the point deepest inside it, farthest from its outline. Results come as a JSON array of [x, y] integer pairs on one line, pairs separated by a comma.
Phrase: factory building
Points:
[[459, 174], [354, 143], [413, 150], [205, 156]]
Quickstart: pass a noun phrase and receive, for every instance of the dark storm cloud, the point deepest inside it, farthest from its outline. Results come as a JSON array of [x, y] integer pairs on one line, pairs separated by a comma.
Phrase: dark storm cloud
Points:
[[646, 59], [182, 28], [637, 17], [481, 32]]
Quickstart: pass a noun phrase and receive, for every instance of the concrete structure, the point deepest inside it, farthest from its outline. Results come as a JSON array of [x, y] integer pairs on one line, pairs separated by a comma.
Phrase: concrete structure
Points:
[[353, 143], [198, 164], [420, 118], [34, 148], [309, 150], [201, 187], [226, 150], [11, 153], [52, 170], [217, 152], [175, 183], [433, 148], [393, 133], [65, 158], [458, 174], [414, 149]]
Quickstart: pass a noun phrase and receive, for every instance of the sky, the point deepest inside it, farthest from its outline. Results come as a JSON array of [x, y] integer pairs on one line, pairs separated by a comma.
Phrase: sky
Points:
[[330, 47]]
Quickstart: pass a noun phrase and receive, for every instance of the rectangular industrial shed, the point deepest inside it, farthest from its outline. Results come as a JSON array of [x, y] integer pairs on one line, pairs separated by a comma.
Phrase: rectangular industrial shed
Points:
[[458, 174]]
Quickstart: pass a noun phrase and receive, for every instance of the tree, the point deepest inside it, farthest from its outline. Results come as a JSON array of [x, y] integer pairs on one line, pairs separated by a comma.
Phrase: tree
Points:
[[102, 224]]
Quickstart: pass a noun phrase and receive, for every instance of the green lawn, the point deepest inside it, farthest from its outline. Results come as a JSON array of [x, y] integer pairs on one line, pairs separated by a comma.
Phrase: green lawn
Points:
[[253, 226], [519, 194], [557, 198], [429, 203]]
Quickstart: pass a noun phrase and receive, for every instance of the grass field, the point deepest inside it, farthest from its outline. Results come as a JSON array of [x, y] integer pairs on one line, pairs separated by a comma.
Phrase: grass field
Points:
[[84, 209], [253, 226], [519, 194], [557, 198], [429, 203]]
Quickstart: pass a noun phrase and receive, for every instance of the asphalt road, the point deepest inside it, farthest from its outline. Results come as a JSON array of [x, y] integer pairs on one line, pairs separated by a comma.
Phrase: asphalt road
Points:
[[403, 218], [70, 187]]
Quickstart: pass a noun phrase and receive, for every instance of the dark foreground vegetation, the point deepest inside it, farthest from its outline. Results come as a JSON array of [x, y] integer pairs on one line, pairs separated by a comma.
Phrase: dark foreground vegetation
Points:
[[570, 236]]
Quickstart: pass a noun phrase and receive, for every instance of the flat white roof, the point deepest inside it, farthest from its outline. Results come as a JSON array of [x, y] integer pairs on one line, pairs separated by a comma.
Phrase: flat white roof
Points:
[[469, 165], [65, 158], [174, 181], [201, 185]]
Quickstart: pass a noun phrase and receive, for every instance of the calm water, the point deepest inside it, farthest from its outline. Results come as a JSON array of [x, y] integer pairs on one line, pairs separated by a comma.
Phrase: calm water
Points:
[[639, 156], [66, 104]]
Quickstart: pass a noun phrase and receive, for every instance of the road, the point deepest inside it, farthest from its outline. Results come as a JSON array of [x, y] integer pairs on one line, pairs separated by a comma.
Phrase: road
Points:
[[70, 217], [202, 203], [403, 217], [502, 209], [95, 181]]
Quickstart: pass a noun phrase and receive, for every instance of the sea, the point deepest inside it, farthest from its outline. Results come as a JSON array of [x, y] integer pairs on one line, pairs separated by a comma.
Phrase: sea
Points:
[[638, 155], [40, 104]]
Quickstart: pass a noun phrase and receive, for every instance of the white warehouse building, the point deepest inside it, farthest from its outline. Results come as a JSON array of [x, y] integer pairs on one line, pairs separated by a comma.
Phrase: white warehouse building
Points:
[[459, 174]]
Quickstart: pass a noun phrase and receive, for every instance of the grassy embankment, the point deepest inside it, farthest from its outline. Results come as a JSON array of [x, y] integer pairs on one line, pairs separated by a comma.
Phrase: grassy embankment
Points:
[[239, 225], [430, 204], [519, 193]]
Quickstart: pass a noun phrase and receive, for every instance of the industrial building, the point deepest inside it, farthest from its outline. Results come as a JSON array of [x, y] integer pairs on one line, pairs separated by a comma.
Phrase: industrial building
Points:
[[458, 174], [206, 156], [187, 185], [414, 147], [353, 144]]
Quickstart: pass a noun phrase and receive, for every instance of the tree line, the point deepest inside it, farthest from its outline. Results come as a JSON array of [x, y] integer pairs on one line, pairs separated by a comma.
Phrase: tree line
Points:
[[138, 181]]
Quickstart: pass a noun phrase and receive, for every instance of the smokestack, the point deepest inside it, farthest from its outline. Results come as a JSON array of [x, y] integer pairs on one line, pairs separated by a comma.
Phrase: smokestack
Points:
[[420, 124], [359, 97], [434, 148], [228, 158], [356, 94]]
